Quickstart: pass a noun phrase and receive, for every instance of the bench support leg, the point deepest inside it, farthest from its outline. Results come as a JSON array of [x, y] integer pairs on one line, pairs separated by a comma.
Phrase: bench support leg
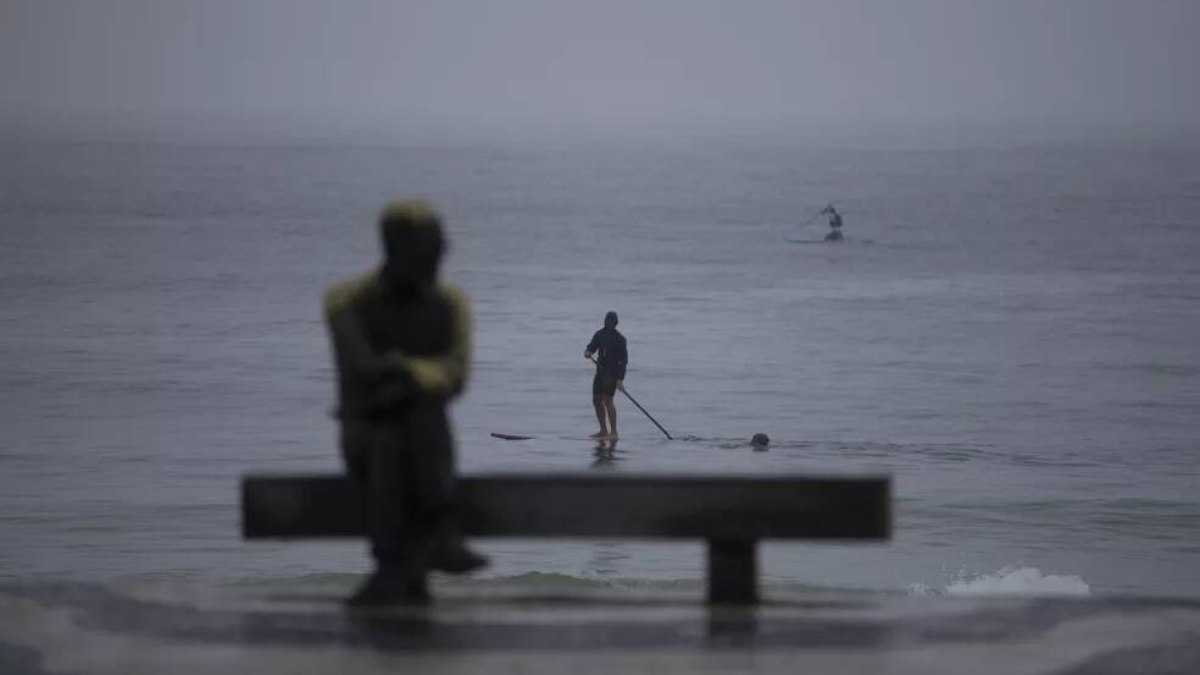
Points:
[[733, 572]]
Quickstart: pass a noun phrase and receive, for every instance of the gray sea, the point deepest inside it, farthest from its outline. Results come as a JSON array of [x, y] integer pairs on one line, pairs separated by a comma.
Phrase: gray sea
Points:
[[1012, 333]]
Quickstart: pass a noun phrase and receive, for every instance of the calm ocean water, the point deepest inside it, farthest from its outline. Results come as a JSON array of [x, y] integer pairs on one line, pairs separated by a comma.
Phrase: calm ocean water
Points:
[[1011, 333]]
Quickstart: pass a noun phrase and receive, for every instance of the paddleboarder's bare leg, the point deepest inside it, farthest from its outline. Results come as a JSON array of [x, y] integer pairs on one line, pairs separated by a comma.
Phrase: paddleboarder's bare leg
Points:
[[598, 404], [610, 409]]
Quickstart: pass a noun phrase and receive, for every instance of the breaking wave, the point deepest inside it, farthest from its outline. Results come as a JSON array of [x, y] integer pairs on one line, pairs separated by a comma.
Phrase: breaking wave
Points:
[[1021, 581]]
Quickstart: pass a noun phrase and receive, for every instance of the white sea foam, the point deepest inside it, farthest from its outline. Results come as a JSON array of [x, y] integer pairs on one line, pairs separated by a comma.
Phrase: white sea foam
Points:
[[1010, 581]]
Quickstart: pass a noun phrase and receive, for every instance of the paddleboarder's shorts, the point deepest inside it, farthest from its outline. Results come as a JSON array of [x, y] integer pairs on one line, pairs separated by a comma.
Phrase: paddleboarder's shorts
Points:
[[604, 384]]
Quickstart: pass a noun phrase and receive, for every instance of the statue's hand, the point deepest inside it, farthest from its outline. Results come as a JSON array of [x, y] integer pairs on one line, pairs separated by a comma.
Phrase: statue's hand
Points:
[[394, 390]]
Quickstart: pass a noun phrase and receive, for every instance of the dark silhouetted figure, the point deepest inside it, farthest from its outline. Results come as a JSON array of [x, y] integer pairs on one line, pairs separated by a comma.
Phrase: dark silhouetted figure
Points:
[[401, 344], [835, 224], [609, 346], [760, 441]]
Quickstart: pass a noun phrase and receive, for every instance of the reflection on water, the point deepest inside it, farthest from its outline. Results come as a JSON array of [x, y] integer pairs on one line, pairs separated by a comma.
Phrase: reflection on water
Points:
[[606, 454]]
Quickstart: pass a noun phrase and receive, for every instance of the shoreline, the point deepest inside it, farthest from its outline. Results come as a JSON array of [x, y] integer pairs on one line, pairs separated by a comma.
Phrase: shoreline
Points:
[[94, 628]]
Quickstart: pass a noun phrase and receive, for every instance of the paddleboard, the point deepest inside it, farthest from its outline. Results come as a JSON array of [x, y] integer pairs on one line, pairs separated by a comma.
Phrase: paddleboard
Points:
[[511, 437], [521, 437], [830, 241]]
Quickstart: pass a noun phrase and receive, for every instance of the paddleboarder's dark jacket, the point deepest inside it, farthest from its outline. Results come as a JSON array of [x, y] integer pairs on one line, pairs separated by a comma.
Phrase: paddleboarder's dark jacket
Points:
[[611, 355]]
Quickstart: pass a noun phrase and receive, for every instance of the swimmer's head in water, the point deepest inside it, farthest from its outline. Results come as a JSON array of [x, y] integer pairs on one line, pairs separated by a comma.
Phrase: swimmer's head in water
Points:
[[760, 440], [610, 320], [412, 243]]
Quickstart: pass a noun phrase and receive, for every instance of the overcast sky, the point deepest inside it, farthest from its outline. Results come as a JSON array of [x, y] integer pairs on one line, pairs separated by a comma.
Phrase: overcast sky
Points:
[[513, 68]]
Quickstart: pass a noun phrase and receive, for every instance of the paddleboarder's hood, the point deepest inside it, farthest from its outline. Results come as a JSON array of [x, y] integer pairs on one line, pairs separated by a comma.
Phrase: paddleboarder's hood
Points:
[[412, 245]]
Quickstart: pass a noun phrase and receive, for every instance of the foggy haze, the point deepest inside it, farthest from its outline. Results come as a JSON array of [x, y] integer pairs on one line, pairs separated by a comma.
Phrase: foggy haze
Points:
[[404, 71]]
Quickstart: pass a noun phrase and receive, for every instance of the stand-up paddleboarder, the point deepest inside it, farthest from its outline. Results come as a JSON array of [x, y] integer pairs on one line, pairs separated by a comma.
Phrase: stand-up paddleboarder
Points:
[[835, 224], [609, 347]]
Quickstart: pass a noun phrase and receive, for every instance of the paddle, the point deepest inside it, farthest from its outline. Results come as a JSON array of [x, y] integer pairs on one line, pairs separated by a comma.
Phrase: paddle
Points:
[[639, 407], [816, 215]]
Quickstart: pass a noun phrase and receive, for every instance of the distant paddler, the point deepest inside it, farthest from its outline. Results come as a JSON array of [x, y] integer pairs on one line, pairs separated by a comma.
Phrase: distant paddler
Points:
[[835, 223]]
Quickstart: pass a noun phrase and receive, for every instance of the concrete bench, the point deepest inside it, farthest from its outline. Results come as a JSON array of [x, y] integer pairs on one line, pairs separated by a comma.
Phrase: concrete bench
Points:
[[731, 513]]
